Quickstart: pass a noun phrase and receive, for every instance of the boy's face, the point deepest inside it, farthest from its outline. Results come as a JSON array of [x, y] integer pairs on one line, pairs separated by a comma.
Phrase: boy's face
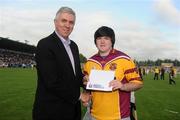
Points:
[[104, 44]]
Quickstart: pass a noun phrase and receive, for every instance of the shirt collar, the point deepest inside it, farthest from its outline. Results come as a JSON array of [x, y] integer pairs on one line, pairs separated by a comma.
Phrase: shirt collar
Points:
[[64, 41], [111, 52]]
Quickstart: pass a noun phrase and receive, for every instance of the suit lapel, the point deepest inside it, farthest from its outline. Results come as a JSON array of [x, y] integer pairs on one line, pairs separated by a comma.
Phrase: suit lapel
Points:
[[64, 52], [75, 55]]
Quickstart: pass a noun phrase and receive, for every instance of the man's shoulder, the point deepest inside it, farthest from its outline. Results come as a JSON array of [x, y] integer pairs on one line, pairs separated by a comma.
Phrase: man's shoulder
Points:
[[73, 44], [47, 40]]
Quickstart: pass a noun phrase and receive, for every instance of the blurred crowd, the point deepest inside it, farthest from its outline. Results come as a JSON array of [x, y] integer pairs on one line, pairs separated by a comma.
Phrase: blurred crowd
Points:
[[9, 58]]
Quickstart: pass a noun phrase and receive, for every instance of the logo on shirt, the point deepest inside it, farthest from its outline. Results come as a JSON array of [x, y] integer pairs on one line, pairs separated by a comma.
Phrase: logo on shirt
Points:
[[113, 66]]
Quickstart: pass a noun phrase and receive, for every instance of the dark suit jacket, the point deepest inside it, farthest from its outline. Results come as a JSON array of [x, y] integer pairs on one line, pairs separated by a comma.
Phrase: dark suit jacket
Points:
[[58, 88]]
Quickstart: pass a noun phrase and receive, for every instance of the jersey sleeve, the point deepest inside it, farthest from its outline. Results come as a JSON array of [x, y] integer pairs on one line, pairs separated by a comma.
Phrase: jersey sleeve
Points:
[[131, 72]]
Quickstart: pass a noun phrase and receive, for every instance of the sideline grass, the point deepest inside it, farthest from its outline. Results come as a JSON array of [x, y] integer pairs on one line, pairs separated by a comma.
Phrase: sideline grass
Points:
[[156, 101], [17, 87]]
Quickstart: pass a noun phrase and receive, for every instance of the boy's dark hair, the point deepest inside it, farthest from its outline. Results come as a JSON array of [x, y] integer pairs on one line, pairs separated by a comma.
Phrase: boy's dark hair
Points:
[[105, 31]]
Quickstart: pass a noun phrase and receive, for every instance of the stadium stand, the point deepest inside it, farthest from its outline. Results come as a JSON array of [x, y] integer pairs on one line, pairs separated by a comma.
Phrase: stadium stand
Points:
[[16, 54]]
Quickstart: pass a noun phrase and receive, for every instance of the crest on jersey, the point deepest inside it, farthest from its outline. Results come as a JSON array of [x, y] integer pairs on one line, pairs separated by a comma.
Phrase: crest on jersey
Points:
[[113, 66]]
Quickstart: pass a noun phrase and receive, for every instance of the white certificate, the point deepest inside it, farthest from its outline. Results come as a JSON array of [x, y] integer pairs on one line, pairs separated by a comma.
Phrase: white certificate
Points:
[[99, 80]]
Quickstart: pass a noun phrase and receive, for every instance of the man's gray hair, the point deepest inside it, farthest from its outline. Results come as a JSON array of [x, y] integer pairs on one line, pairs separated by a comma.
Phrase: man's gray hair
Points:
[[65, 10]]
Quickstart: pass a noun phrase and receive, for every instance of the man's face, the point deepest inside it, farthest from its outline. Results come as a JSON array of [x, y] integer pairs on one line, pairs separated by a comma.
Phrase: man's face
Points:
[[64, 24], [104, 44]]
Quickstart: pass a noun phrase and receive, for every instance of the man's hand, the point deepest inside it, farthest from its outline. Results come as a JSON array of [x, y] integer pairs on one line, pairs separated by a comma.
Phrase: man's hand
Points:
[[85, 79], [85, 97]]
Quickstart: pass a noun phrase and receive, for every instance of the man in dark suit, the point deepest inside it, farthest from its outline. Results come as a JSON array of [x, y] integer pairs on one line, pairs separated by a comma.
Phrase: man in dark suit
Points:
[[59, 73]]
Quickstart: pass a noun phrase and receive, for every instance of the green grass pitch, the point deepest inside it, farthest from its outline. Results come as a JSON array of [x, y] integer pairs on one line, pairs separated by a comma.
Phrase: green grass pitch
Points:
[[157, 100]]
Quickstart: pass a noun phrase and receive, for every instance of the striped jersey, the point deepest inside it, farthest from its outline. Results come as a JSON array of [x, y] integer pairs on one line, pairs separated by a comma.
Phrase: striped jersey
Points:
[[115, 104]]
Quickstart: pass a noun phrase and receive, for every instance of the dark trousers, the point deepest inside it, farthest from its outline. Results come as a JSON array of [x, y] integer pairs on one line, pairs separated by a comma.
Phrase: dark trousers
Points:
[[57, 113], [162, 77], [172, 81], [133, 108], [156, 76]]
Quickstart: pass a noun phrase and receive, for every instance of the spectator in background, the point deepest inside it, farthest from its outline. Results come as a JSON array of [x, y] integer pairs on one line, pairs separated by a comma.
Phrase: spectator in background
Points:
[[156, 73], [140, 72], [147, 71], [162, 72], [59, 73], [175, 72], [171, 76], [144, 71]]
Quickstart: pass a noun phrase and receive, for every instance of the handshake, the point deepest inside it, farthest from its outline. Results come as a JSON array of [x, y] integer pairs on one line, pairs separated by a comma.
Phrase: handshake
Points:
[[85, 96]]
